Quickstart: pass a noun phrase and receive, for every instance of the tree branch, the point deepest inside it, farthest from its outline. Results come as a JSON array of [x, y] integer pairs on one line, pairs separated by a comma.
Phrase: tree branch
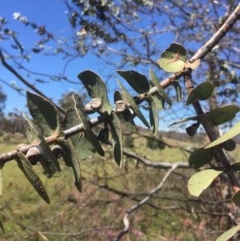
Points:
[[30, 86], [141, 203], [148, 163]]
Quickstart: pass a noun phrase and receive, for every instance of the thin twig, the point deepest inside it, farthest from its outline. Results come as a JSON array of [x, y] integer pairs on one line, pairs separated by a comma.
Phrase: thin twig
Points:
[[30, 86], [210, 44], [148, 163], [142, 202]]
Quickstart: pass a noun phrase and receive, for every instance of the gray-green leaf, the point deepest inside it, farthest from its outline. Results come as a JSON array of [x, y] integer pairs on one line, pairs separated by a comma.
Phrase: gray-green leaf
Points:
[[117, 138], [161, 92], [201, 92], [83, 147], [136, 80], [70, 159], [81, 116], [32, 177], [44, 114], [129, 99], [153, 114], [96, 89]]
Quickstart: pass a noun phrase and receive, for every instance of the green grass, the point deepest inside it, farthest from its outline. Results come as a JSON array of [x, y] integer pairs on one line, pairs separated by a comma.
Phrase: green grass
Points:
[[97, 212]]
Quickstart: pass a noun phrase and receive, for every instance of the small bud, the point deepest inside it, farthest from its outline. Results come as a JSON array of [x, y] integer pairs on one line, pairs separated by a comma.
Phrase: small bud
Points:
[[33, 155], [57, 151], [96, 103], [120, 106]]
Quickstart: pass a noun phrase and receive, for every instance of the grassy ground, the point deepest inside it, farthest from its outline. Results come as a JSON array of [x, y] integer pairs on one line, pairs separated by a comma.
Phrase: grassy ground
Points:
[[108, 192]]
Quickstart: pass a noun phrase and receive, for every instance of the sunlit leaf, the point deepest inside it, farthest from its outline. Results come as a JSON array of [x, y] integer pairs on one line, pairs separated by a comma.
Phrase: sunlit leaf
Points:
[[70, 159], [44, 114], [235, 130], [129, 99], [201, 92], [228, 234], [200, 157], [96, 89], [32, 177], [81, 116], [136, 80], [154, 80], [173, 59], [201, 180], [117, 138], [83, 147]]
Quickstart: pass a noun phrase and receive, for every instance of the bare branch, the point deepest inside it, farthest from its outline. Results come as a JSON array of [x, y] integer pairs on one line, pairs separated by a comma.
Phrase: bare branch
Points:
[[30, 86], [147, 162], [141, 203]]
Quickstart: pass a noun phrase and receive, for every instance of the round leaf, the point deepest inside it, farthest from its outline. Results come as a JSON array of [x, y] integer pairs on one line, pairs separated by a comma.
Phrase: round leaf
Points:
[[200, 157], [173, 59], [201, 92], [201, 180], [223, 114]]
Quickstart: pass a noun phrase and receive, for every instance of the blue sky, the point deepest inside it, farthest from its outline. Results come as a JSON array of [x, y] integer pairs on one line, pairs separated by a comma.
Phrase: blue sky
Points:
[[52, 14]]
